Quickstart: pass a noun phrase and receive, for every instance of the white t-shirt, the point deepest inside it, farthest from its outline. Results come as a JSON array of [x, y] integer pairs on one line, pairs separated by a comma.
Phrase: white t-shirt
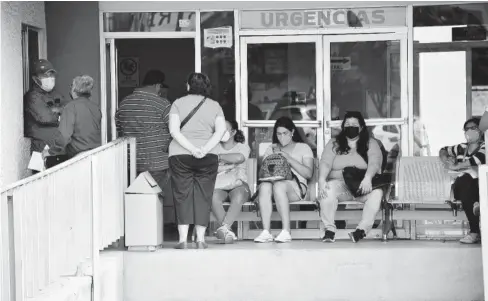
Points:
[[300, 152], [240, 171]]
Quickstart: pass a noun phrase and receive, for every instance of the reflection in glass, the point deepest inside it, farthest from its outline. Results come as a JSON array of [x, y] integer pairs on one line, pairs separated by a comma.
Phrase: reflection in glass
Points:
[[260, 139], [365, 77], [282, 81], [219, 62], [149, 22]]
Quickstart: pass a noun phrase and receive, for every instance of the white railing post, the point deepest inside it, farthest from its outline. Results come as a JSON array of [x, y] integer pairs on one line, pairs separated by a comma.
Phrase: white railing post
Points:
[[95, 222], [132, 158]]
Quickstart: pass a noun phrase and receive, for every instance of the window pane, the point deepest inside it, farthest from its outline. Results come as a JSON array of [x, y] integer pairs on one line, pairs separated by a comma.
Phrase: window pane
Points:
[[218, 60], [282, 81], [445, 15], [365, 77], [260, 139], [149, 22]]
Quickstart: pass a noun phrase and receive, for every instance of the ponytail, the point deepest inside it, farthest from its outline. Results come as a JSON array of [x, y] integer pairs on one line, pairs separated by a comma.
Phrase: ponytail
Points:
[[239, 137]]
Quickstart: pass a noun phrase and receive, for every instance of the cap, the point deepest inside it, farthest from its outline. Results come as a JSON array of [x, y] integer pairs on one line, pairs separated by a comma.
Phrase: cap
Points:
[[43, 66]]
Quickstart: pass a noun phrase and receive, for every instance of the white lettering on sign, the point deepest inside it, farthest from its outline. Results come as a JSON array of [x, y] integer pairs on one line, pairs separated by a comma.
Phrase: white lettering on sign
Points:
[[366, 17]]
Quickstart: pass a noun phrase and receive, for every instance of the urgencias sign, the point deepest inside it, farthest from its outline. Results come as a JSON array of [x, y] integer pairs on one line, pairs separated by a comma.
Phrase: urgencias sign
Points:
[[324, 18]]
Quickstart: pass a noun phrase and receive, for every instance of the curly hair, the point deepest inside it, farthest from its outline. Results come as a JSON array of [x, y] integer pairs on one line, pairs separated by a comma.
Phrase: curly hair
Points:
[[199, 84], [341, 145], [239, 136], [83, 85], [287, 123]]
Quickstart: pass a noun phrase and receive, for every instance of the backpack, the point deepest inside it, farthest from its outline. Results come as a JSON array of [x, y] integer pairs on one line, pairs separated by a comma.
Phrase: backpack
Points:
[[275, 168]]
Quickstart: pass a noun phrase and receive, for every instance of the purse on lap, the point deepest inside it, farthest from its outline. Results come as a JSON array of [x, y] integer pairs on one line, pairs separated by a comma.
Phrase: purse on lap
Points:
[[353, 177]]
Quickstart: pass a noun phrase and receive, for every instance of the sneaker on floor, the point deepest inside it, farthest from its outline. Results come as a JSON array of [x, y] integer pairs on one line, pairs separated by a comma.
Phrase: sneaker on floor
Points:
[[264, 237], [476, 209], [357, 235], [225, 235], [471, 238], [284, 236], [329, 236]]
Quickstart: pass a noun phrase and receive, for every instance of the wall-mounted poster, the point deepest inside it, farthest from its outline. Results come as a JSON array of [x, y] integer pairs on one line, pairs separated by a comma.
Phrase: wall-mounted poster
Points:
[[128, 72], [220, 37]]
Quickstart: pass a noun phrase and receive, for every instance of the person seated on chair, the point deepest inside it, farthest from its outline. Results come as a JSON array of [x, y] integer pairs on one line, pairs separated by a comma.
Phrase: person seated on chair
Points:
[[465, 159], [352, 147], [231, 183], [287, 142]]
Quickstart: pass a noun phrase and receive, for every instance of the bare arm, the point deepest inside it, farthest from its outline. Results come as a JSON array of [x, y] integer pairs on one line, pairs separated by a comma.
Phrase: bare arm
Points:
[[233, 158], [325, 165], [305, 169], [217, 135], [375, 157]]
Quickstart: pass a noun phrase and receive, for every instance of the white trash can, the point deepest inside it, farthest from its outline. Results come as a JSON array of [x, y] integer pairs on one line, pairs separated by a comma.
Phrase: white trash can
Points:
[[144, 214]]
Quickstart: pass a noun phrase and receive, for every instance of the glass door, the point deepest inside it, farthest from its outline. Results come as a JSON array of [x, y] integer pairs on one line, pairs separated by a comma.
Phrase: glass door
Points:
[[281, 76], [109, 101], [367, 73]]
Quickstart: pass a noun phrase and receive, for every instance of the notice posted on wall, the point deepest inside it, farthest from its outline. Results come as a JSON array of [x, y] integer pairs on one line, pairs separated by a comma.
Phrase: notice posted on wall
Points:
[[219, 37], [128, 72]]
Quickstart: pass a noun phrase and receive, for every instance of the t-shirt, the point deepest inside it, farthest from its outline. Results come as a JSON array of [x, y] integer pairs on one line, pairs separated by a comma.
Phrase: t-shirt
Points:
[[337, 162], [200, 128], [240, 171], [300, 152]]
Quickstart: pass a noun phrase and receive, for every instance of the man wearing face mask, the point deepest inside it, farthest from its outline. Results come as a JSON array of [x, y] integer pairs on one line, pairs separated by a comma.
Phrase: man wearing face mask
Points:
[[144, 114], [42, 107], [465, 158]]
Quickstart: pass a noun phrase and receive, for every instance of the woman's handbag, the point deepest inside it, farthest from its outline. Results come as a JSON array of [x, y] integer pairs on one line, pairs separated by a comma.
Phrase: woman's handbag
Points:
[[353, 177]]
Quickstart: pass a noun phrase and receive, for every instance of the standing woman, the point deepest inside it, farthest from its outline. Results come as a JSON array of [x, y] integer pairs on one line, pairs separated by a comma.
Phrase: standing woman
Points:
[[193, 161]]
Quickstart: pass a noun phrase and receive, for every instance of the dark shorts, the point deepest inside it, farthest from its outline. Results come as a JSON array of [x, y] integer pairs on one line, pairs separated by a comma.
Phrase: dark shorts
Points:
[[192, 187]]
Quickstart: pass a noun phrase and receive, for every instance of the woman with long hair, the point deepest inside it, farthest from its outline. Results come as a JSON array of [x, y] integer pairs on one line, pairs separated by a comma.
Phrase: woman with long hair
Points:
[[288, 143], [231, 183], [352, 147], [193, 160]]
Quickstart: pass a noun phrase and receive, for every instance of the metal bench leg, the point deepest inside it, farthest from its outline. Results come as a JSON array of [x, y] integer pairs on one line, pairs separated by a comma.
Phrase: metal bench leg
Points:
[[239, 230]]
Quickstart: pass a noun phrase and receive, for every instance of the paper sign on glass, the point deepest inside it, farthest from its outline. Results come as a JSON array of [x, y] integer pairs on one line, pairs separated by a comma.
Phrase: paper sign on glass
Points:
[[220, 37]]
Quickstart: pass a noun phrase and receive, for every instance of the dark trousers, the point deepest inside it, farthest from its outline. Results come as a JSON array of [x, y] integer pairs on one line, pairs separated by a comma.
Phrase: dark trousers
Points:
[[467, 191], [192, 186]]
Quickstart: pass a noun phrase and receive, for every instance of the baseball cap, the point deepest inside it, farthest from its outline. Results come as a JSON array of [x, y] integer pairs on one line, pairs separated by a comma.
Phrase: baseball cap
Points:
[[43, 66]]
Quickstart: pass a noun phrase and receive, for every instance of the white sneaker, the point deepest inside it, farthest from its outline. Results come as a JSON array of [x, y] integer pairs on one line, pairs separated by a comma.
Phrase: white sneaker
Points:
[[471, 238], [225, 235], [264, 237], [284, 236]]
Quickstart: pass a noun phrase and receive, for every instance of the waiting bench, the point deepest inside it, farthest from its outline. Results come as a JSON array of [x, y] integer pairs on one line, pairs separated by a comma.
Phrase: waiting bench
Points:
[[422, 191]]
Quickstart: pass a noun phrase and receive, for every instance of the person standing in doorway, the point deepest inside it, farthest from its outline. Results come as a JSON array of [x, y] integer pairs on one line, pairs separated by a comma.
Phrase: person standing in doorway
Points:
[[197, 125], [80, 123], [144, 114], [42, 107]]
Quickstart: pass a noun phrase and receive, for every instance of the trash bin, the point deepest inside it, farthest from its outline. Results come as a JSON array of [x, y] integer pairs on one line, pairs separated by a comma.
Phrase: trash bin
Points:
[[144, 214]]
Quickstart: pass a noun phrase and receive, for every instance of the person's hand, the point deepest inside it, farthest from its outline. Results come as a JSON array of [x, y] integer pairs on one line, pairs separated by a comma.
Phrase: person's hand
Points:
[[366, 186], [198, 153], [57, 110], [287, 157], [45, 153], [323, 187]]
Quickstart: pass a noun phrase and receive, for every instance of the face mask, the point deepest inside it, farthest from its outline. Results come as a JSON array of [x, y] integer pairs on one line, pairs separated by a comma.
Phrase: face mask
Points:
[[226, 137], [472, 135], [351, 131], [47, 84]]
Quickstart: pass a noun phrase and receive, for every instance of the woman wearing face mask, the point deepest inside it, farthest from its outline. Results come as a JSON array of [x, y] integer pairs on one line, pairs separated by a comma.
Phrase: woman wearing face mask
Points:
[[231, 184], [465, 159], [287, 142], [352, 147]]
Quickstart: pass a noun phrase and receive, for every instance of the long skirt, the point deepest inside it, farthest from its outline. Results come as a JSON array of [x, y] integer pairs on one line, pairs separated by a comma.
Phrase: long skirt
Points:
[[192, 185]]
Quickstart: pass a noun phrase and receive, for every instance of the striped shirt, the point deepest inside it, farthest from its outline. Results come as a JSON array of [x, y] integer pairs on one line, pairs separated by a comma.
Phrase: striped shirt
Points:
[[459, 152], [145, 116]]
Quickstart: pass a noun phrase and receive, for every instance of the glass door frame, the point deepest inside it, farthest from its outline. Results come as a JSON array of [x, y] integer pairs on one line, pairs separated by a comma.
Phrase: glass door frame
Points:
[[323, 84], [242, 106], [404, 105]]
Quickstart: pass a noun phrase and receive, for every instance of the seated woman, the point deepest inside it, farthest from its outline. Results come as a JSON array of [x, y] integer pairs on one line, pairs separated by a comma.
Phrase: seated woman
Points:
[[465, 158], [352, 147], [287, 142], [231, 183]]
